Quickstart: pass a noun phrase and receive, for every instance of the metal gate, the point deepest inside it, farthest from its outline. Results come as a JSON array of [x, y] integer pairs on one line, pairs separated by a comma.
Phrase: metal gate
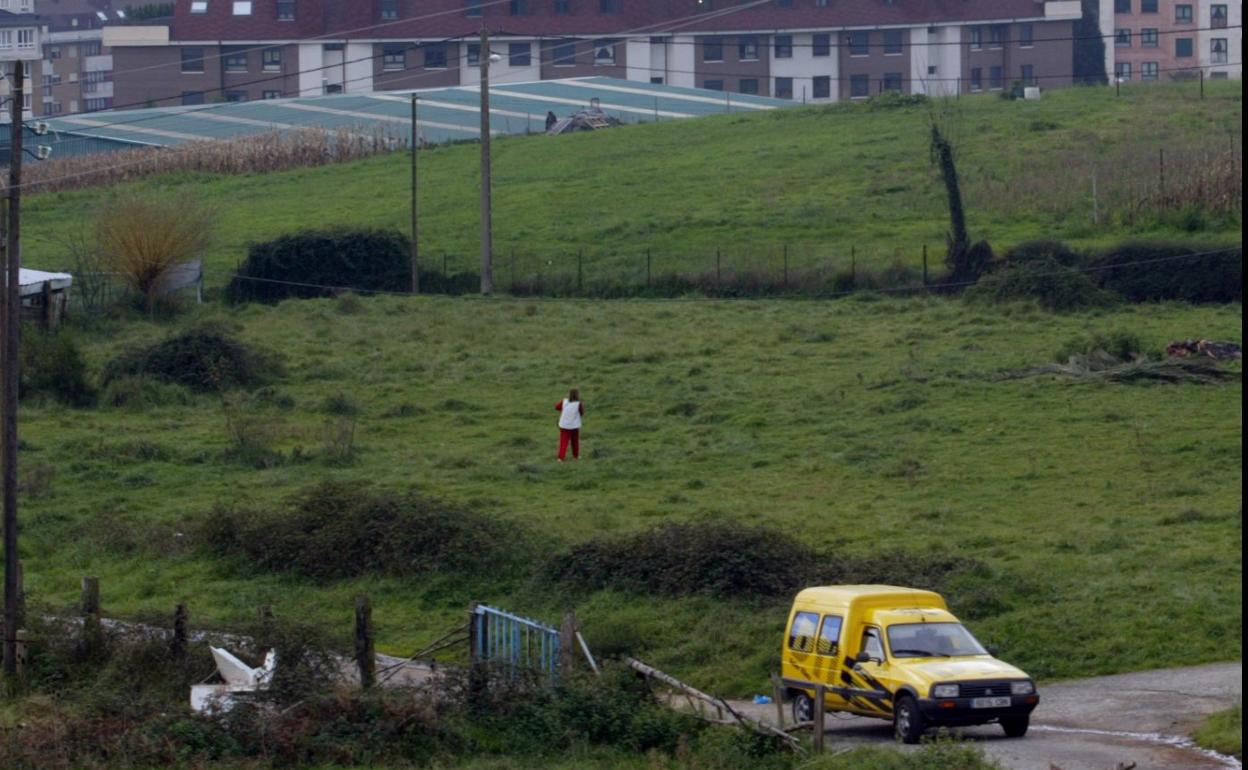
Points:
[[522, 643]]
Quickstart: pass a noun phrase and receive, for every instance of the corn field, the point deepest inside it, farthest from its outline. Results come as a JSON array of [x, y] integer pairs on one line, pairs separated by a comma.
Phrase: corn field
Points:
[[262, 153]]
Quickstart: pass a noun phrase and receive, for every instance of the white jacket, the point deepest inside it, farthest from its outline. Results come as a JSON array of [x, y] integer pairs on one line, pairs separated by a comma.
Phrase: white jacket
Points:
[[570, 415]]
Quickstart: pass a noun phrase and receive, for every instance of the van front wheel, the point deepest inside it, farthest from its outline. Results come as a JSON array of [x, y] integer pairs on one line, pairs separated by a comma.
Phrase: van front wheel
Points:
[[908, 723], [803, 708]]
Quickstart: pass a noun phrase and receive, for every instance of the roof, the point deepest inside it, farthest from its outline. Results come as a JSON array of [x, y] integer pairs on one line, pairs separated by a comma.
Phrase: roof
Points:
[[870, 595], [361, 19], [31, 281], [445, 114]]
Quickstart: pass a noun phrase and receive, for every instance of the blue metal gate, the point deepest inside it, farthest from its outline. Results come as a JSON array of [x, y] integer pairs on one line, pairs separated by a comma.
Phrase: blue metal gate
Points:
[[522, 643]]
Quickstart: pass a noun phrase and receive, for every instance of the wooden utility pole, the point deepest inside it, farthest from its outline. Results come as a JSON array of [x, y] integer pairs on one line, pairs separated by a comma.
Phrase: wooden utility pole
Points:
[[487, 236], [8, 402], [365, 652], [415, 241]]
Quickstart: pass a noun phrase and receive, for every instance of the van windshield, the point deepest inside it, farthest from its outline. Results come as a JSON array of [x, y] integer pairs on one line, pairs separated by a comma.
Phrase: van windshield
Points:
[[932, 640]]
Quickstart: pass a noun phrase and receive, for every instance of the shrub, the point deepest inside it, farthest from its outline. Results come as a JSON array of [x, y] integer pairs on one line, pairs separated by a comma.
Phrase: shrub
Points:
[[140, 393], [340, 530], [203, 359], [53, 365], [141, 236], [1046, 281], [1041, 251], [1124, 346], [1148, 271], [318, 263]]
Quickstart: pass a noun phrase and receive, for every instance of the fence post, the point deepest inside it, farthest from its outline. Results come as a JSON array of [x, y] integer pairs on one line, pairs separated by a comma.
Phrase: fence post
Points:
[[817, 727], [446, 270], [786, 265], [365, 652], [1202, 83], [476, 662], [925, 265], [264, 639], [853, 267], [777, 695], [177, 647], [92, 630], [717, 272], [567, 644], [1161, 178]]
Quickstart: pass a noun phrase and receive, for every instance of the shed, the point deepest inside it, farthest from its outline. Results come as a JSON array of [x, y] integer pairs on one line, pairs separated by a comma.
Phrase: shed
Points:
[[45, 296]]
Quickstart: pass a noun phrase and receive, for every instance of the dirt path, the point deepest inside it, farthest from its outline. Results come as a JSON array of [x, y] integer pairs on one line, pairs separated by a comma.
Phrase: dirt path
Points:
[[1091, 724]]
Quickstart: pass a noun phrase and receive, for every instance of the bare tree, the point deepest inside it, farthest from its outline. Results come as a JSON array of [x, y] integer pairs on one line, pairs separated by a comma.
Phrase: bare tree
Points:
[[967, 261]]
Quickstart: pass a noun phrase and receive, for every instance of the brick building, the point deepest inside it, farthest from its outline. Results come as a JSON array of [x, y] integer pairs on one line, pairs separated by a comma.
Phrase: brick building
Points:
[[813, 50], [74, 74], [1163, 40]]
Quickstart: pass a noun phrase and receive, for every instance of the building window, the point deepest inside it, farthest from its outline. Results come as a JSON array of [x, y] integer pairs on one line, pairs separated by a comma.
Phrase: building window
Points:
[[747, 48], [561, 7], [1217, 50], [389, 9], [604, 52], [394, 56], [192, 60], [1217, 16], [785, 3], [518, 7], [749, 85], [1219, 76], [892, 81], [473, 7], [197, 7], [822, 87], [859, 43], [821, 44], [1122, 38], [1183, 47], [996, 78], [1122, 71], [1122, 6], [656, 81], [1026, 36], [435, 56], [608, 6], [271, 95], [997, 34], [1027, 74], [286, 11], [473, 55], [1148, 6], [242, 8], [892, 42], [519, 54], [1183, 14], [25, 38], [977, 38], [931, 69], [333, 88], [236, 96], [1149, 37], [712, 49], [713, 85], [822, 3], [1149, 70], [89, 48], [977, 79], [859, 86], [564, 54], [784, 88], [783, 46], [6, 39], [330, 47], [271, 59]]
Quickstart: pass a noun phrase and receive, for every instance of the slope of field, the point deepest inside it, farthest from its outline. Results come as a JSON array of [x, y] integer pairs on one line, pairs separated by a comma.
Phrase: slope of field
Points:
[[819, 180], [1107, 517]]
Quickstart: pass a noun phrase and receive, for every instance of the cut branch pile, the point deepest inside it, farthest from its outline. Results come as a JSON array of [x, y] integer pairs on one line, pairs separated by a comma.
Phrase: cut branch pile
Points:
[[1109, 369]]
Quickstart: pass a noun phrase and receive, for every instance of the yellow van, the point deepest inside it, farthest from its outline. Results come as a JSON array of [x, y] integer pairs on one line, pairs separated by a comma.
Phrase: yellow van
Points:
[[897, 653]]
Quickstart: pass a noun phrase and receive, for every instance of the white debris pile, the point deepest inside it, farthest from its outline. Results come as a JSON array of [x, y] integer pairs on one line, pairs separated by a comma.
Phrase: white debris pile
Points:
[[238, 679]]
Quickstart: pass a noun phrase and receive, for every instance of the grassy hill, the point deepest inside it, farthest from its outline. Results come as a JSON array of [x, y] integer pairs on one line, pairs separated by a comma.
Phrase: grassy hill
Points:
[[819, 180], [1101, 522]]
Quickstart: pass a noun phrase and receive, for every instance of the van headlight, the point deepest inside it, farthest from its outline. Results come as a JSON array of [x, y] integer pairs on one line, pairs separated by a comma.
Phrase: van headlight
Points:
[[1022, 688], [945, 691]]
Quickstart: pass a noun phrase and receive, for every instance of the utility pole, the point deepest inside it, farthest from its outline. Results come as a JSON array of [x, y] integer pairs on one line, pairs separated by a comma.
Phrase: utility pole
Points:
[[487, 237], [12, 307], [415, 243]]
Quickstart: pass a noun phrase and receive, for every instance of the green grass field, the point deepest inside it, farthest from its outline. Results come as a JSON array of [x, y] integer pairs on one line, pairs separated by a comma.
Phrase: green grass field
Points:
[[1108, 515], [822, 181]]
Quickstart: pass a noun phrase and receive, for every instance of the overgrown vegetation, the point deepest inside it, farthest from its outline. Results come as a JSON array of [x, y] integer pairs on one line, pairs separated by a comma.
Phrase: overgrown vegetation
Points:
[[52, 364], [1224, 732], [324, 263], [202, 359], [340, 530], [1156, 271]]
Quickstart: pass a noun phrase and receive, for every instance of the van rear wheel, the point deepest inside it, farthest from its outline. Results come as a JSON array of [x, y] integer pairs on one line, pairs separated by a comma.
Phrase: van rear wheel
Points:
[[1015, 727], [908, 722], [803, 708]]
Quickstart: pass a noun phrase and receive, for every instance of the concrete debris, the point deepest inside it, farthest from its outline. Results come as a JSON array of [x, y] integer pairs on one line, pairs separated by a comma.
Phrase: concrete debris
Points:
[[1218, 351], [239, 679], [591, 118]]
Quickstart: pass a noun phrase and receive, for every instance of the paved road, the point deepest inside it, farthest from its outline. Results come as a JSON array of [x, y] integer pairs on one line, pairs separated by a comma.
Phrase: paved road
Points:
[[1092, 724]]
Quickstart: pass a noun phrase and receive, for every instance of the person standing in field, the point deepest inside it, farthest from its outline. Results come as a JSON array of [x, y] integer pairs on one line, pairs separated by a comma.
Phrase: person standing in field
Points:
[[570, 412]]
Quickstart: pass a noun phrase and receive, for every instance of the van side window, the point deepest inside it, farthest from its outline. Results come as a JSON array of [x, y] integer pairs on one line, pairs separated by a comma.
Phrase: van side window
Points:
[[802, 632], [829, 635], [871, 643]]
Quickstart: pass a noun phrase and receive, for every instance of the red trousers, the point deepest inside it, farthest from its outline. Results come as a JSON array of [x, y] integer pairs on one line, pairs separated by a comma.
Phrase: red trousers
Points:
[[565, 436]]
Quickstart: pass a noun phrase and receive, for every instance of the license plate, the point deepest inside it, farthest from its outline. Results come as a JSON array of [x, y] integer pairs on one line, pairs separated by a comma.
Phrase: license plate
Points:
[[990, 703]]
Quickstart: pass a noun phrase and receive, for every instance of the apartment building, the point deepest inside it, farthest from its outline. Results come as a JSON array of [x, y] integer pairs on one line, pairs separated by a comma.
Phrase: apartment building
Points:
[[75, 72], [811, 50], [1165, 40], [21, 38]]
